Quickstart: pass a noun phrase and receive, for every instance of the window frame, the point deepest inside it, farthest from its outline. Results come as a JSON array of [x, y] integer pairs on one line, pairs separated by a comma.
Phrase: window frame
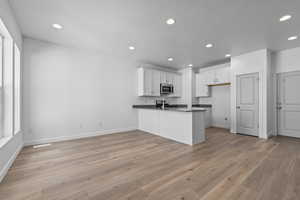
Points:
[[1, 85], [16, 90]]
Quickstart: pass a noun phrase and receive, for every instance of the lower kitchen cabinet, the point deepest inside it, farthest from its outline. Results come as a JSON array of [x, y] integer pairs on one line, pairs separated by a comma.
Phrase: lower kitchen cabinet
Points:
[[208, 118]]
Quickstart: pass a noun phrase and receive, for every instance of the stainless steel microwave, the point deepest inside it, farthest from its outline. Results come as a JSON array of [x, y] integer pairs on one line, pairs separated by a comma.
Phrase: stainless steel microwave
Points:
[[166, 88]]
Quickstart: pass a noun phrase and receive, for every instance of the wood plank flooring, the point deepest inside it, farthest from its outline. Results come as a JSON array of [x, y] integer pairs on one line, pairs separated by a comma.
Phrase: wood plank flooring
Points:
[[141, 166]]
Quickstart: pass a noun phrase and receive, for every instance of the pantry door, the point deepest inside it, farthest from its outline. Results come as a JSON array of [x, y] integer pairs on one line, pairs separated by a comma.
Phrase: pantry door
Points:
[[247, 104], [288, 104]]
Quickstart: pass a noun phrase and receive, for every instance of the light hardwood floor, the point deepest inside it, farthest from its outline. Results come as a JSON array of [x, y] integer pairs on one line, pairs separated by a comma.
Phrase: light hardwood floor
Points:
[[139, 166]]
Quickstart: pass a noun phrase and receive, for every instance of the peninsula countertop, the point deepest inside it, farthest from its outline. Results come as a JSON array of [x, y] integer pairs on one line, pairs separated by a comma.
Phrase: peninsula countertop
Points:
[[176, 108]]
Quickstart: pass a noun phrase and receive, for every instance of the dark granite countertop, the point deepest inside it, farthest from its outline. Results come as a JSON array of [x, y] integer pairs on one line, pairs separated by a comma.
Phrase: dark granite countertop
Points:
[[174, 107]]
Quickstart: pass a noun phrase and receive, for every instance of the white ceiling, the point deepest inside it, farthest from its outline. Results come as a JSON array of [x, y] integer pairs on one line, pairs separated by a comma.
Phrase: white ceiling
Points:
[[110, 26]]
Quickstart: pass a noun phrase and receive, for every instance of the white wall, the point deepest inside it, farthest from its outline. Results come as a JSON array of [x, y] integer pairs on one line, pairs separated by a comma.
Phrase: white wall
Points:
[[220, 101], [70, 93], [11, 148], [287, 60], [257, 61]]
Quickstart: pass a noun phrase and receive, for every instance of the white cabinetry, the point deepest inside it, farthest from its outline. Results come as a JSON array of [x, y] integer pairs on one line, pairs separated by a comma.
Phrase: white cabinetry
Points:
[[208, 116], [208, 77], [155, 83], [167, 77], [149, 81], [183, 127], [222, 75], [216, 75], [177, 82], [219, 74], [202, 89]]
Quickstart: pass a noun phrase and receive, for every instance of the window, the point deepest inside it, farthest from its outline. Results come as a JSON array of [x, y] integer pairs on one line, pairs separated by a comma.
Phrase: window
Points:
[[1, 86], [17, 95], [10, 80]]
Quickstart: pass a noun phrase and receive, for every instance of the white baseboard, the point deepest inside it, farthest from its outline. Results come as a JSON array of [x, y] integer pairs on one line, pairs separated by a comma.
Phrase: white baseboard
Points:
[[78, 136], [5, 169]]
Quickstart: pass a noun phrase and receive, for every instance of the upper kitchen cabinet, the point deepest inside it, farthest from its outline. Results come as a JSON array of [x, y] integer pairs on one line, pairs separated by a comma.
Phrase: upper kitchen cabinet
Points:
[[148, 82], [166, 77], [202, 89], [177, 82], [210, 76], [222, 75], [216, 75]]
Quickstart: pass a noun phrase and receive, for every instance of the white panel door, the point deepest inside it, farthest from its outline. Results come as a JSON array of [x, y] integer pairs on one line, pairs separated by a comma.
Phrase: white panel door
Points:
[[247, 104], [288, 104]]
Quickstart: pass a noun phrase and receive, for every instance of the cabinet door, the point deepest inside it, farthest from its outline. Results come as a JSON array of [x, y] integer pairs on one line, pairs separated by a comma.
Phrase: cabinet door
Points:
[[148, 82], [208, 77], [163, 77], [155, 83], [177, 85], [208, 117], [202, 89], [222, 75], [197, 85], [170, 78]]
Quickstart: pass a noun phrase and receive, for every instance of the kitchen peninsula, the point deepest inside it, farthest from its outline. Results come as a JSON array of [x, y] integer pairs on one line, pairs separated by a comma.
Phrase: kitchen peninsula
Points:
[[179, 124]]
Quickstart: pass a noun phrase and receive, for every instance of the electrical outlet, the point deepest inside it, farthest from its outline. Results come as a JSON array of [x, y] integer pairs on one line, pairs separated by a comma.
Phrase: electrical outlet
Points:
[[100, 124], [81, 126]]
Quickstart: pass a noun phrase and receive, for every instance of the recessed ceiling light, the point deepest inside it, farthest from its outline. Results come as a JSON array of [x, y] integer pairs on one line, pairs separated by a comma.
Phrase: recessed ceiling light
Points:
[[285, 18], [170, 21], [227, 55], [293, 38], [170, 59], [131, 48], [57, 26], [209, 45], [190, 65]]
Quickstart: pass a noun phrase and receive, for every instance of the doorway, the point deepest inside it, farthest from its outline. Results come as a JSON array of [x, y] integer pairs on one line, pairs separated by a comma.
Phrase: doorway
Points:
[[288, 104], [247, 104]]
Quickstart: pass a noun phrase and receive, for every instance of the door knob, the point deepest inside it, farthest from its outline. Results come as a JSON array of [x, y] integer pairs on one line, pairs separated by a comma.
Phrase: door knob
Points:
[[238, 107], [279, 107]]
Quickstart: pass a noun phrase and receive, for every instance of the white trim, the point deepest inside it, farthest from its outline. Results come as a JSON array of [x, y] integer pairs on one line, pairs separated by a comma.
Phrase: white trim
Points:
[[5, 169], [78, 136], [4, 141], [261, 86]]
